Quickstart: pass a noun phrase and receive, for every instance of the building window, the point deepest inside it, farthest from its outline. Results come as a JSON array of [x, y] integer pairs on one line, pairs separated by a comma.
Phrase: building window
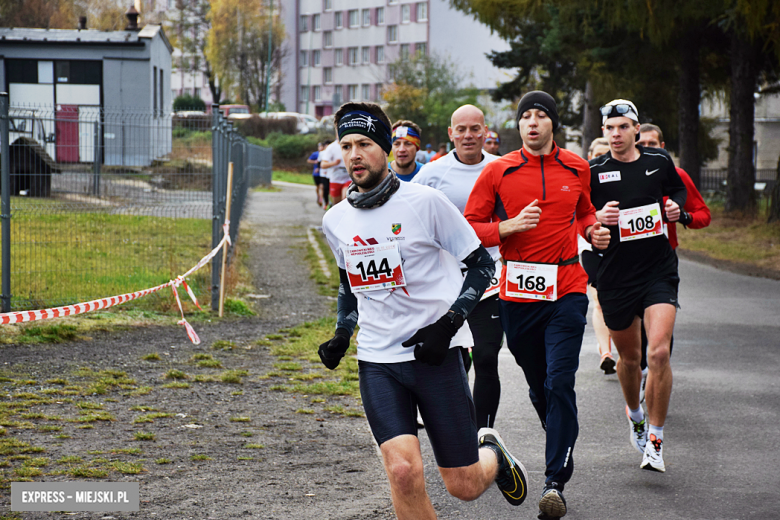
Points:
[[327, 74], [366, 93], [327, 5], [354, 20], [315, 58], [338, 97], [422, 11], [352, 92], [366, 55], [406, 13], [339, 57], [338, 21], [404, 50], [197, 92], [421, 48], [304, 93], [380, 15], [380, 54], [315, 22], [304, 59], [304, 23], [327, 39], [378, 91], [317, 93], [366, 17], [353, 56], [392, 34], [392, 2]]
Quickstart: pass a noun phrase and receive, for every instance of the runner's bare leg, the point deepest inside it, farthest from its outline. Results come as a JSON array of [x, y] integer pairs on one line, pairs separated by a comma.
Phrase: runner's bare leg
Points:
[[629, 346], [659, 324], [404, 467]]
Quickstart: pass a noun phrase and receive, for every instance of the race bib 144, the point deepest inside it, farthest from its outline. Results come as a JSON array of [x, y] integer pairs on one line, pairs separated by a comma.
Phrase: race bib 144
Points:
[[375, 267]]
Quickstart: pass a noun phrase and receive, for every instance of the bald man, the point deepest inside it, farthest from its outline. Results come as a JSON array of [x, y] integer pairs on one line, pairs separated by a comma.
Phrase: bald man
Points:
[[455, 175]]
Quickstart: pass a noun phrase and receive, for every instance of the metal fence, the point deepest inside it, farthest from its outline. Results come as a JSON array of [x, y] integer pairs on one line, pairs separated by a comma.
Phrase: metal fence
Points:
[[714, 180], [98, 202]]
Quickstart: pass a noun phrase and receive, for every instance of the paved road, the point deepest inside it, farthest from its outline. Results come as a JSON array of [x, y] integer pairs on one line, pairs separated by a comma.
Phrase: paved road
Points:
[[720, 437]]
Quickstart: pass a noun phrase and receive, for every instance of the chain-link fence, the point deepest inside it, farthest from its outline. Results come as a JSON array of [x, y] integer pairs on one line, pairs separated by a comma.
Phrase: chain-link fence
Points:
[[98, 202]]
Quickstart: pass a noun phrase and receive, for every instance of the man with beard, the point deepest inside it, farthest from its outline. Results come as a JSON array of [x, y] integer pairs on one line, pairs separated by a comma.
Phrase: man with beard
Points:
[[455, 175], [406, 144], [397, 246], [532, 203]]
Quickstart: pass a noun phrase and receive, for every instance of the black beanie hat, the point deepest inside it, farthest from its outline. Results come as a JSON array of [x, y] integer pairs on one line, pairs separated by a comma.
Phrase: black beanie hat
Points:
[[540, 100]]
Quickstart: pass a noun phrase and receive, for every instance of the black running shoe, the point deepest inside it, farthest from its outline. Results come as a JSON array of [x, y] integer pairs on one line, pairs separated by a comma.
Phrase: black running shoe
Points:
[[552, 505], [512, 478]]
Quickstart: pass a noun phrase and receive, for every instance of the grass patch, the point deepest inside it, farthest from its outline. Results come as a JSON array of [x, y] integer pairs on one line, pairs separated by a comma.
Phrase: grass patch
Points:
[[154, 356], [326, 286], [294, 177], [57, 381], [206, 378], [87, 472], [93, 416], [341, 410], [70, 459], [317, 400], [128, 451], [176, 374], [201, 357], [307, 411], [246, 458], [141, 390], [86, 405], [49, 428], [199, 457], [150, 417], [144, 436], [63, 436], [209, 363], [162, 461], [142, 408], [26, 472], [48, 333], [127, 468], [178, 385], [240, 419], [247, 434], [291, 367], [36, 462], [237, 393], [254, 446], [223, 344], [238, 308], [233, 376]]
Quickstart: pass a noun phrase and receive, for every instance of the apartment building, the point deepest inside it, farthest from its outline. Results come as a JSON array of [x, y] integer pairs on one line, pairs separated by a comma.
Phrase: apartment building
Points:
[[338, 50]]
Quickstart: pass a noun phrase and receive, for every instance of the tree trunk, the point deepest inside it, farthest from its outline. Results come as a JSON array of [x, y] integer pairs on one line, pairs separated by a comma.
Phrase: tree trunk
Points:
[[689, 97], [740, 195], [591, 119], [774, 208]]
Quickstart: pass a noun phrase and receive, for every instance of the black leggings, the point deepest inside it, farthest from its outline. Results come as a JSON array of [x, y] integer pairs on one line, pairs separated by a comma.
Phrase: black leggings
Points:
[[488, 335]]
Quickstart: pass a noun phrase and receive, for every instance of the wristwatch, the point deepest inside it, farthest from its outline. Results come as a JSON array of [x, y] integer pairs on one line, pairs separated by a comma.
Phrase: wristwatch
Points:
[[455, 318]]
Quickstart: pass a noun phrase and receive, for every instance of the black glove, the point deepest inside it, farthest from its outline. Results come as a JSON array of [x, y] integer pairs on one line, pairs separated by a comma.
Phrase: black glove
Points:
[[334, 349], [685, 218], [432, 342]]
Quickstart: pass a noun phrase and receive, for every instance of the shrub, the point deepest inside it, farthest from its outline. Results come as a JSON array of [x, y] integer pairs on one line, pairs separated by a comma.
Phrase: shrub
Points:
[[258, 126], [188, 102], [292, 146]]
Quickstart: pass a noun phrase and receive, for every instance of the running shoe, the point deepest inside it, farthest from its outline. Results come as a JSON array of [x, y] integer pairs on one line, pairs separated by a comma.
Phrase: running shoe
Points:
[[653, 458], [552, 504], [642, 387], [638, 432], [512, 478], [607, 363]]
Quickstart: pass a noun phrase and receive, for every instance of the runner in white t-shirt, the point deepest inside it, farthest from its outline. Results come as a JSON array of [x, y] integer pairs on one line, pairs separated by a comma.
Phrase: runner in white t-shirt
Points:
[[332, 164], [455, 175], [397, 246]]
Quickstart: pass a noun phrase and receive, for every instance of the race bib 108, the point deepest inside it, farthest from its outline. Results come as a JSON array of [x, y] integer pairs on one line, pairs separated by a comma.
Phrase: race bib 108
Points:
[[375, 267], [640, 222], [534, 281]]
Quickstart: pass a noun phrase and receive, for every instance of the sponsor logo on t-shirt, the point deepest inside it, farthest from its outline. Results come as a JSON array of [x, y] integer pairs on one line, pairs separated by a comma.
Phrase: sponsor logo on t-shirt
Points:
[[609, 176], [396, 228]]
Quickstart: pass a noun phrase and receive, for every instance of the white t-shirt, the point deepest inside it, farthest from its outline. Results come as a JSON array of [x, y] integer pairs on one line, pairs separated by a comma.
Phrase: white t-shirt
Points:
[[337, 174], [455, 180], [433, 237]]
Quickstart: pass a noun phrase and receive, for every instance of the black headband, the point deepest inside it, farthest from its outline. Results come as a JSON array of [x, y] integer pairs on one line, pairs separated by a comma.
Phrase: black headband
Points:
[[363, 123]]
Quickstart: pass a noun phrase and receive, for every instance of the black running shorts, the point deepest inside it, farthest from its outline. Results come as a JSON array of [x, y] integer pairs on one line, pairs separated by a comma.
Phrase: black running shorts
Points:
[[392, 392], [620, 306], [590, 263]]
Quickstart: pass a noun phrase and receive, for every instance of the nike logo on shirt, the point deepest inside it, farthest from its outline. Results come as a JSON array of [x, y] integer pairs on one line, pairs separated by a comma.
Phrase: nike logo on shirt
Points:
[[647, 172]]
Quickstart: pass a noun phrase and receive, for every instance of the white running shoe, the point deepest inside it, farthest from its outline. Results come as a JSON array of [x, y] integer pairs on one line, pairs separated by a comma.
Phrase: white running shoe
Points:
[[653, 458], [642, 387], [638, 432]]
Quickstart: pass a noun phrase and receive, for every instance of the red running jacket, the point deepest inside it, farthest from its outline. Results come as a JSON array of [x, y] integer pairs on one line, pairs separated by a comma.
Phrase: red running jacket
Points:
[[561, 183], [694, 205]]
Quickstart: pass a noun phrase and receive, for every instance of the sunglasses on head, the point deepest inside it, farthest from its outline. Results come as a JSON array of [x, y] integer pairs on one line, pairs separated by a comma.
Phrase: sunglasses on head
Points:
[[617, 110]]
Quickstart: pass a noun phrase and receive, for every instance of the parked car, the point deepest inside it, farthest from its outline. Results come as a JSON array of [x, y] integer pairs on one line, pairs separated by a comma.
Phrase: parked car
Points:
[[306, 124], [236, 111]]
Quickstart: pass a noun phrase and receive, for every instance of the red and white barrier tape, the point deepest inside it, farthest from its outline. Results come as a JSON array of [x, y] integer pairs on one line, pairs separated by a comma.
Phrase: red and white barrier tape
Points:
[[104, 303]]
